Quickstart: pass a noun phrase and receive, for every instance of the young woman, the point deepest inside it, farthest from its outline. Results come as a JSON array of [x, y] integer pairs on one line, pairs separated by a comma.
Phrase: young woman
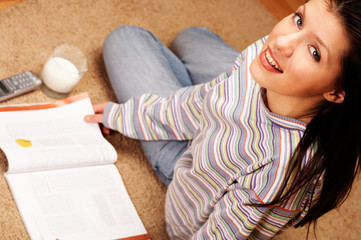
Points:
[[270, 143]]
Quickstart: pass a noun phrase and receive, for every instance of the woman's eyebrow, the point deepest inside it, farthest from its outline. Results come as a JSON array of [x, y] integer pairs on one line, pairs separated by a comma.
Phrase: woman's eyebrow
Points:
[[318, 39]]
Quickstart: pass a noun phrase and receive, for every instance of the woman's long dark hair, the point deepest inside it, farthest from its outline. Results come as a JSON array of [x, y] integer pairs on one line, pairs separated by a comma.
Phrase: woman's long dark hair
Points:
[[336, 130]]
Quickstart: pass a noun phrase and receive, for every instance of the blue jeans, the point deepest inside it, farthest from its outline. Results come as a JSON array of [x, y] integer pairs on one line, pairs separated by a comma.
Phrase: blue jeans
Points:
[[137, 62]]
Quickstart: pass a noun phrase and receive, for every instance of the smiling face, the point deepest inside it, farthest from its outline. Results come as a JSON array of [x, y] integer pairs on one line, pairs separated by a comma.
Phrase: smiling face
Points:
[[301, 58]]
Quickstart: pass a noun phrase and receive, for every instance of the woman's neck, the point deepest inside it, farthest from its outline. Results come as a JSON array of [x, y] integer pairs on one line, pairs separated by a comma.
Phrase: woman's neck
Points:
[[294, 107]]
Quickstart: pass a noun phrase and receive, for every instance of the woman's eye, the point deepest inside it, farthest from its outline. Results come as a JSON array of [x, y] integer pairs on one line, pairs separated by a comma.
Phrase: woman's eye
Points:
[[298, 20], [315, 54]]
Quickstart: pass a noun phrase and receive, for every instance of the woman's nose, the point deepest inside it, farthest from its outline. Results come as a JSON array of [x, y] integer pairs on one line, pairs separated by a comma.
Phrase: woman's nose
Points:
[[286, 44]]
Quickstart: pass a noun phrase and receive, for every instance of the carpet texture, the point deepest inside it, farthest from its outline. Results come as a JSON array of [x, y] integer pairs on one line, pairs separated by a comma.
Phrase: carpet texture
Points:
[[30, 30]]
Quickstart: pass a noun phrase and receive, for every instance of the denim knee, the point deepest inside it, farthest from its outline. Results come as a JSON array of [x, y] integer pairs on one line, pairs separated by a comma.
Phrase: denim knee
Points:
[[120, 34], [194, 32]]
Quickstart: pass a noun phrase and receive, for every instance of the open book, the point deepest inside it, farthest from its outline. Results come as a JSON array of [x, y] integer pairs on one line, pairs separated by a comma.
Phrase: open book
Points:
[[62, 176]]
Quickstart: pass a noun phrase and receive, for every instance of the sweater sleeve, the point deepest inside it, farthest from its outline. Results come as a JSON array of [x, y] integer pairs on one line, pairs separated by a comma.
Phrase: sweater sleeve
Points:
[[232, 218], [240, 213], [151, 117]]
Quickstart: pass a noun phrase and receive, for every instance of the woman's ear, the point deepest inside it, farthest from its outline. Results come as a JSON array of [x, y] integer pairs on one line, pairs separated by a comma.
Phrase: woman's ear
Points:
[[335, 96]]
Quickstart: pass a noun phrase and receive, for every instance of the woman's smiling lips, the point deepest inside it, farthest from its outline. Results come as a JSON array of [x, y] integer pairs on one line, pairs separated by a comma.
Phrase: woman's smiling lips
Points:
[[268, 61]]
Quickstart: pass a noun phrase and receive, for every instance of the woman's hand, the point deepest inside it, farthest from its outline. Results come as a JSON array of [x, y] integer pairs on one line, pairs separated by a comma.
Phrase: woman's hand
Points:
[[98, 116]]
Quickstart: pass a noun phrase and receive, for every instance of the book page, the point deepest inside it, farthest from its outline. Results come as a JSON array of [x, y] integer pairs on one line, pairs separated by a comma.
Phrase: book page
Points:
[[79, 203], [52, 138]]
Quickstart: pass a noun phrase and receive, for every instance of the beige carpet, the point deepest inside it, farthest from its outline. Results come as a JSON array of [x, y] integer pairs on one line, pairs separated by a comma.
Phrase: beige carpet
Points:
[[31, 29]]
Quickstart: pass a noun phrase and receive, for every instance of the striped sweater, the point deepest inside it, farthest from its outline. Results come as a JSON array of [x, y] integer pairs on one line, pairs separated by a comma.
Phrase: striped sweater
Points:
[[239, 155]]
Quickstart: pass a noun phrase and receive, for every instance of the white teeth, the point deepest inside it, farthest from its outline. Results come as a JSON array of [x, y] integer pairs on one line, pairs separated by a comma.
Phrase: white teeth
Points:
[[272, 61]]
